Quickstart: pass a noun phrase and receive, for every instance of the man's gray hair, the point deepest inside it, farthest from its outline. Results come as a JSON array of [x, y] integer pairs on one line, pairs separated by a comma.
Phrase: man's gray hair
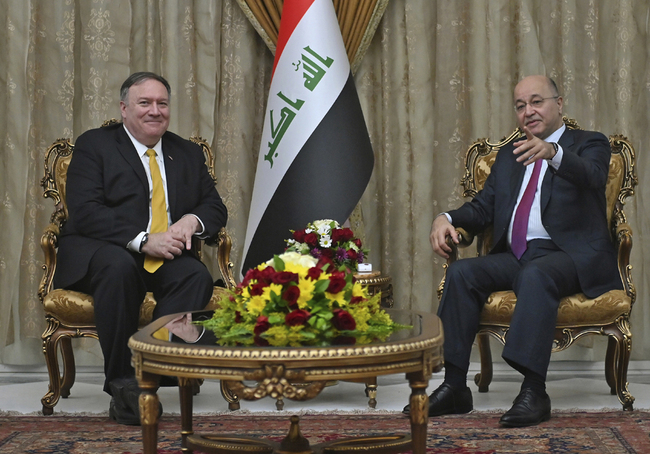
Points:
[[138, 78]]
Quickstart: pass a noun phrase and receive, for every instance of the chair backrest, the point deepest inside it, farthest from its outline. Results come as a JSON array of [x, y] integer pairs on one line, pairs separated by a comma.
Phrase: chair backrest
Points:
[[621, 179]]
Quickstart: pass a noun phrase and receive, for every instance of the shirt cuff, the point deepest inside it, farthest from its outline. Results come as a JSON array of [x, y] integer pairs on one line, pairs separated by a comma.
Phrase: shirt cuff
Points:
[[134, 244], [557, 159]]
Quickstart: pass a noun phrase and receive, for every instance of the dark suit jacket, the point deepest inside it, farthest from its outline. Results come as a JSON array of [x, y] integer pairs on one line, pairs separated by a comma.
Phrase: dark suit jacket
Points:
[[573, 207], [108, 195]]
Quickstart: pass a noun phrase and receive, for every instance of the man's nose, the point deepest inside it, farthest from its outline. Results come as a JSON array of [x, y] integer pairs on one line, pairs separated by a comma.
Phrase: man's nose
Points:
[[154, 110]]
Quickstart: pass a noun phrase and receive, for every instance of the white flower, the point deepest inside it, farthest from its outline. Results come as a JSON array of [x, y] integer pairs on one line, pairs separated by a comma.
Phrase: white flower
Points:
[[323, 230], [308, 230], [325, 224], [325, 241], [291, 241]]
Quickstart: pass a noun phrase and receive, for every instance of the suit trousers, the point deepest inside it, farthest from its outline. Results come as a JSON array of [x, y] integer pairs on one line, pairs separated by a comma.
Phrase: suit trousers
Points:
[[542, 276], [118, 283]]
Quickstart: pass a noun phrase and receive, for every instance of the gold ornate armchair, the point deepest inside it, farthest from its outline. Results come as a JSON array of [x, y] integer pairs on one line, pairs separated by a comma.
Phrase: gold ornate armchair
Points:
[[607, 315], [70, 314]]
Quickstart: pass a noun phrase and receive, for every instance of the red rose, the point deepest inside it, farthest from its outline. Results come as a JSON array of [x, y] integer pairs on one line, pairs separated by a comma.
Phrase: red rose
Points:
[[311, 239], [325, 263], [299, 236], [291, 295], [237, 317], [297, 317], [261, 325], [267, 274], [356, 299], [284, 277], [314, 273], [327, 253], [352, 254], [257, 289], [347, 234], [342, 320], [337, 235], [357, 241], [336, 284]]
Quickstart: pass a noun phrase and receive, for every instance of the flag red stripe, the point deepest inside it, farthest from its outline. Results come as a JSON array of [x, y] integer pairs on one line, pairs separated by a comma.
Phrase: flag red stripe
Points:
[[292, 12]]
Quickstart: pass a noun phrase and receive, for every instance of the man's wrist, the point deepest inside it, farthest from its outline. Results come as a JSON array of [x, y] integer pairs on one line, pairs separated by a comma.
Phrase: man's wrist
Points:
[[143, 241]]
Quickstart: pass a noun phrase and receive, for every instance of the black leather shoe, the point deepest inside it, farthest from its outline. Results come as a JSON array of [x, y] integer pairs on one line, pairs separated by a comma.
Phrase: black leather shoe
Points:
[[448, 401], [125, 405], [528, 409], [125, 408], [123, 415]]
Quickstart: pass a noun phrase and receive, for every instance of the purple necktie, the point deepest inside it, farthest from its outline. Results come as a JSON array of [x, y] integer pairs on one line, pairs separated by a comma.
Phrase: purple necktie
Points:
[[520, 224]]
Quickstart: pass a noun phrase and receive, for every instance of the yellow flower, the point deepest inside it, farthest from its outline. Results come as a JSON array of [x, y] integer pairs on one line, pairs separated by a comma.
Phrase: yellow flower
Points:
[[337, 297], [358, 290], [276, 288], [256, 305], [306, 287]]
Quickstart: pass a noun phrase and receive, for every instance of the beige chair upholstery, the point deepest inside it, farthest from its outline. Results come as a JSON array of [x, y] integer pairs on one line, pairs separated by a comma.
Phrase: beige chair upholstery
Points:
[[70, 314], [607, 315]]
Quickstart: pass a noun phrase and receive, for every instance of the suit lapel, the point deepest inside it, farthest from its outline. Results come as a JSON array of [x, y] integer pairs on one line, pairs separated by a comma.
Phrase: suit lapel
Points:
[[129, 153]]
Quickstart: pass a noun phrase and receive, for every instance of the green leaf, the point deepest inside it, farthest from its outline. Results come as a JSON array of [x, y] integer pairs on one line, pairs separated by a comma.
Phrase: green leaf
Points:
[[278, 263]]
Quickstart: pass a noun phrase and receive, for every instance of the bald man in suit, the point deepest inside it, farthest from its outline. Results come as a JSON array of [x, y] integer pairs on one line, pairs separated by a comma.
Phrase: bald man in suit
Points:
[[559, 245], [108, 234]]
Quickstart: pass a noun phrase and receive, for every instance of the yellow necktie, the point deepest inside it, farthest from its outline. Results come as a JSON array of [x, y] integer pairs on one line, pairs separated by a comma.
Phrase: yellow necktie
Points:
[[158, 209]]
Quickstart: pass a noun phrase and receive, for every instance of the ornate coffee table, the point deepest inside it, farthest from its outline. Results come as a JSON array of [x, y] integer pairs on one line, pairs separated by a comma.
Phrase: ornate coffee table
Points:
[[416, 352]]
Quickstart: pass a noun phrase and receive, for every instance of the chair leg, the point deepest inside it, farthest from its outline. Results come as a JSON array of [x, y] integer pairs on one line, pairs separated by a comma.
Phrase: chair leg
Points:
[[69, 370], [484, 378], [51, 398], [621, 360], [610, 364]]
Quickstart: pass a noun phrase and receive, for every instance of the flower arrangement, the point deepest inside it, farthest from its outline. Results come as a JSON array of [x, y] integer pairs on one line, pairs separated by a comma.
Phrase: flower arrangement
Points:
[[297, 300], [325, 238]]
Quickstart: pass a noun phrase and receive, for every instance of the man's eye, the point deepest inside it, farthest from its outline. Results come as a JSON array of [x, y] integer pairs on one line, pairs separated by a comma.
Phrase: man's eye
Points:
[[537, 102], [520, 107]]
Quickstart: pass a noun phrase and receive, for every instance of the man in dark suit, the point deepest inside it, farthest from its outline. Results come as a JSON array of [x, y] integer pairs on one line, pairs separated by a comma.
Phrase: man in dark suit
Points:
[[550, 240], [112, 227]]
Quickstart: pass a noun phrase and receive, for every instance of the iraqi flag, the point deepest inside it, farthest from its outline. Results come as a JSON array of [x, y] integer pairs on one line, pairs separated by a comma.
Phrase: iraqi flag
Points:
[[315, 157]]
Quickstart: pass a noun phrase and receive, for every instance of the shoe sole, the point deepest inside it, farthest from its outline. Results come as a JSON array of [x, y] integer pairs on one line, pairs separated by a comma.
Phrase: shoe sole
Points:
[[527, 424]]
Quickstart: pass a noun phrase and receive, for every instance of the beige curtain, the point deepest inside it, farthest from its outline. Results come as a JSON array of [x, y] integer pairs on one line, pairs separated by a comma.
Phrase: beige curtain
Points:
[[436, 76]]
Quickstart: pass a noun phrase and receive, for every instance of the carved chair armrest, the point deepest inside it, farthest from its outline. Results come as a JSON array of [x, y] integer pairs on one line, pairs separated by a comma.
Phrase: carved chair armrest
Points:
[[49, 243], [223, 243], [623, 241], [464, 239]]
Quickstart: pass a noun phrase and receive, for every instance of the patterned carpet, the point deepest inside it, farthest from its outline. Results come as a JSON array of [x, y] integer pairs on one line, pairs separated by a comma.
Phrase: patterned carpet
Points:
[[567, 432]]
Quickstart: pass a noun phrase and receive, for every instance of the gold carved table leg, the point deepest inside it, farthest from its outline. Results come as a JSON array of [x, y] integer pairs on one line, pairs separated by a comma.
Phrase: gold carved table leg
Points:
[[419, 413], [149, 407], [186, 395]]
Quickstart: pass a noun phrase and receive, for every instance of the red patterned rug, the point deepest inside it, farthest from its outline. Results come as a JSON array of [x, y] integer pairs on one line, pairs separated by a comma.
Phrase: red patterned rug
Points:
[[567, 432]]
